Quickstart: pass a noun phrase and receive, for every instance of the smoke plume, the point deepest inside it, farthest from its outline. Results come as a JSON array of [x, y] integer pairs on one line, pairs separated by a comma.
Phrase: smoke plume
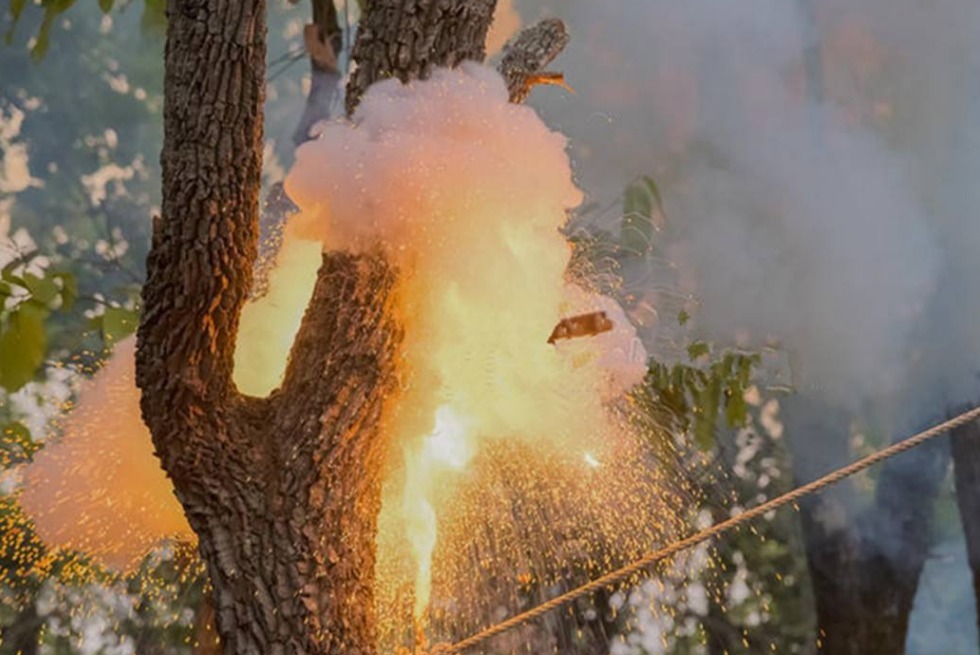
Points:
[[817, 162]]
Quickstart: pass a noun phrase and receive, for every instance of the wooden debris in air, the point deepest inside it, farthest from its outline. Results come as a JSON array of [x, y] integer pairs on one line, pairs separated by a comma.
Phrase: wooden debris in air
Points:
[[583, 325]]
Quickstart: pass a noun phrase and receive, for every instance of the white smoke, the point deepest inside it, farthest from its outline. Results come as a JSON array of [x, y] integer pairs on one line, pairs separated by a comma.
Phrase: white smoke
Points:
[[837, 217]]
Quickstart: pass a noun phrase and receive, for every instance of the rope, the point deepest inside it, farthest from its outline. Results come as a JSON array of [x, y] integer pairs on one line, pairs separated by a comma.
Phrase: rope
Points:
[[645, 562]]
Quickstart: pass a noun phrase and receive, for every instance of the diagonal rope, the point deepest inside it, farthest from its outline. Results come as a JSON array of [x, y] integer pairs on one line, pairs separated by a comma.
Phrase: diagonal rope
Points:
[[645, 562]]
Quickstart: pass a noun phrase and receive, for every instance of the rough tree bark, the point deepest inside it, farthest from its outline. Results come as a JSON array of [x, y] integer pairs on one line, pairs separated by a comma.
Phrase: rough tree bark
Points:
[[864, 561], [283, 491], [965, 448], [407, 39]]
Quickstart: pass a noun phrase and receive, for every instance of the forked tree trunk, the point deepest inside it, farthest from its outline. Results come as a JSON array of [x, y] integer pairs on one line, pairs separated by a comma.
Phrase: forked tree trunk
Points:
[[283, 492]]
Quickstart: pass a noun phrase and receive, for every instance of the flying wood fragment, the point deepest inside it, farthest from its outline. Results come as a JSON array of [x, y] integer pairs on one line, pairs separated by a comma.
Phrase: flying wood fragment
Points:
[[583, 325], [527, 54]]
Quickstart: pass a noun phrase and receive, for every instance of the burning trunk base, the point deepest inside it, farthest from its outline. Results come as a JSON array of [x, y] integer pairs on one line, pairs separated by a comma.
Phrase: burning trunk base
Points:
[[510, 472], [524, 524]]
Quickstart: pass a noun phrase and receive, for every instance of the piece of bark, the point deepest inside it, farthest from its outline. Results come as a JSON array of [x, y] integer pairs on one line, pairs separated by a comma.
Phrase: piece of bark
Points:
[[527, 55]]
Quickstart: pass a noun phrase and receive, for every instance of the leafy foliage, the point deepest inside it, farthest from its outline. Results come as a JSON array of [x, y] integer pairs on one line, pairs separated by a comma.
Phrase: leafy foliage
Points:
[[118, 323], [154, 18], [643, 215], [699, 395], [30, 299], [16, 445]]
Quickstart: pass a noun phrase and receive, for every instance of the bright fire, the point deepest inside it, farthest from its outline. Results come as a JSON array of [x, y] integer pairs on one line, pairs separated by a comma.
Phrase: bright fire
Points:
[[468, 193], [498, 439]]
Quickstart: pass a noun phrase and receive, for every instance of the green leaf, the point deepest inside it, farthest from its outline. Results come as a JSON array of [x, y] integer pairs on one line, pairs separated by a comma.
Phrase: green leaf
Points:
[[698, 349], [643, 215], [118, 323], [69, 290], [654, 191], [736, 409], [105, 6], [728, 365], [154, 17], [17, 8], [22, 346], [677, 377], [637, 201], [43, 289], [43, 38], [7, 275], [636, 229], [683, 317], [52, 9]]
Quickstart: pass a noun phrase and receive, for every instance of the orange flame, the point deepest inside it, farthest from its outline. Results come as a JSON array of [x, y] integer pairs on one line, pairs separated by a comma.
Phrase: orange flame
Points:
[[468, 194]]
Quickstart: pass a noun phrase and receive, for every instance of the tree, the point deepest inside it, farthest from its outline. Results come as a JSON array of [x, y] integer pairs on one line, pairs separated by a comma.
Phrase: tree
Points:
[[283, 492], [965, 450], [865, 558]]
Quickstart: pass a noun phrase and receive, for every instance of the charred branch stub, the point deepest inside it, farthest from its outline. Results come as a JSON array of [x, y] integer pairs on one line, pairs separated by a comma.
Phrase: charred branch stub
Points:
[[528, 54], [323, 39]]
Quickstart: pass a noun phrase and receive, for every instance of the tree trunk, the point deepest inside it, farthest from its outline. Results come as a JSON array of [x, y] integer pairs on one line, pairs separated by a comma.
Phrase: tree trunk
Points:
[[965, 446], [407, 39], [23, 635], [896, 538], [283, 492], [864, 562]]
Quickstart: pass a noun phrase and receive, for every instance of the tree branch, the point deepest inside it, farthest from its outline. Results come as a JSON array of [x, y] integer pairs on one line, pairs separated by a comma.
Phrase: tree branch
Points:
[[199, 269], [343, 354], [346, 317], [408, 38]]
